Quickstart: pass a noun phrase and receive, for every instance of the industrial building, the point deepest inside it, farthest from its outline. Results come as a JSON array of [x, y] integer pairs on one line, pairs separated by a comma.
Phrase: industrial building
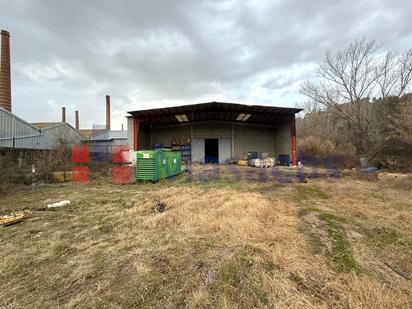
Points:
[[102, 140], [16, 133], [215, 132]]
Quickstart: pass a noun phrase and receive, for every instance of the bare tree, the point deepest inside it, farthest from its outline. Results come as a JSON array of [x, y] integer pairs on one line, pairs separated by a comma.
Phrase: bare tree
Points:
[[348, 78], [394, 74]]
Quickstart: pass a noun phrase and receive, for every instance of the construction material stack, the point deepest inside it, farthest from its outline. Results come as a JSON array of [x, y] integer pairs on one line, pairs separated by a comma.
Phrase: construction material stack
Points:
[[260, 159]]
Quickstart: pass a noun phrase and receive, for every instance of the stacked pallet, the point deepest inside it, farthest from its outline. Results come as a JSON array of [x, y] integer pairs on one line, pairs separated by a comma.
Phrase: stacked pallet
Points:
[[185, 149]]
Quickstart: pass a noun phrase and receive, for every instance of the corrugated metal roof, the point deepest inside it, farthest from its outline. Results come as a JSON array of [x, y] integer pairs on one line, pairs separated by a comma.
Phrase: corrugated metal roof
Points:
[[88, 133], [221, 111], [110, 135], [41, 125]]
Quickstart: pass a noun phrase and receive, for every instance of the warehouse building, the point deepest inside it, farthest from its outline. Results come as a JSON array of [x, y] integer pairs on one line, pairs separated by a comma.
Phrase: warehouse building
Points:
[[215, 132], [16, 133]]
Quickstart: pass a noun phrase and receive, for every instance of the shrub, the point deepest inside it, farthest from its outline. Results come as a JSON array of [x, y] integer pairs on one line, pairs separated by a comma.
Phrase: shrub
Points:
[[323, 151]]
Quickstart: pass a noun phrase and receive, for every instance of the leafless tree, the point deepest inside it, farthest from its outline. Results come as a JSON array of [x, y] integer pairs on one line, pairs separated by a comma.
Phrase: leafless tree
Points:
[[348, 78], [394, 74]]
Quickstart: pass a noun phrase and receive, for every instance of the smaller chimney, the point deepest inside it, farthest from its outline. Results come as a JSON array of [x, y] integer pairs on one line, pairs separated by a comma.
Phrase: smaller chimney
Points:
[[63, 114], [76, 120], [108, 112], [122, 126]]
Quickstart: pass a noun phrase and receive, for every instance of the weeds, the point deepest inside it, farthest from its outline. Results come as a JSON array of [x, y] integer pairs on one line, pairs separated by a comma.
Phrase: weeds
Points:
[[307, 193], [340, 252]]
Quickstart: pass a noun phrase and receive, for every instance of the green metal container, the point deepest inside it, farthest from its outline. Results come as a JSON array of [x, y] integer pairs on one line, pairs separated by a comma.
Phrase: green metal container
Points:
[[156, 164]]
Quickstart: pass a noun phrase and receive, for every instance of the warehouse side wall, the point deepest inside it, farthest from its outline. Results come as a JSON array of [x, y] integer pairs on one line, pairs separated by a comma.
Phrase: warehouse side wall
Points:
[[282, 138], [252, 138], [212, 130], [165, 136]]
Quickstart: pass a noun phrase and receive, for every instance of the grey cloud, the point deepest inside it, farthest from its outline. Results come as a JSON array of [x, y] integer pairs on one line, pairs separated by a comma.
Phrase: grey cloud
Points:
[[154, 53]]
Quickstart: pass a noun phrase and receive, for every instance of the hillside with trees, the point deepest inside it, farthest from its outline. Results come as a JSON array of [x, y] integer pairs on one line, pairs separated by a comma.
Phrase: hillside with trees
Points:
[[359, 106]]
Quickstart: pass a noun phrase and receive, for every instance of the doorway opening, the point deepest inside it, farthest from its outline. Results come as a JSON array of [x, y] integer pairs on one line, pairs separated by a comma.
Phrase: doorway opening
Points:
[[211, 150]]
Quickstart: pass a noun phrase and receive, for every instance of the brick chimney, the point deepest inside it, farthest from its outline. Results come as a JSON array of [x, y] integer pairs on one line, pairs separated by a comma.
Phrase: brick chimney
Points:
[[63, 114], [5, 78], [108, 112], [76, 120]]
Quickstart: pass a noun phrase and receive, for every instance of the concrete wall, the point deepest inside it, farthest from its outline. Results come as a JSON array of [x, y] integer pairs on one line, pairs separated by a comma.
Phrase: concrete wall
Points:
[[283, 139], [212, 130], [165, 135], [246, 137], [252, 137]]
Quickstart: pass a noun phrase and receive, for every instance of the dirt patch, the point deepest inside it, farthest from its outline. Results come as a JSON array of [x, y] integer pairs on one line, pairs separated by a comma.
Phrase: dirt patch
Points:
[[315, 233]]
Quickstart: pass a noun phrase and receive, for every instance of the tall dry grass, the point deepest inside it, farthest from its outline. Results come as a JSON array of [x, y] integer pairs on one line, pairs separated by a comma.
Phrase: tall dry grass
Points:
[[212, 247]]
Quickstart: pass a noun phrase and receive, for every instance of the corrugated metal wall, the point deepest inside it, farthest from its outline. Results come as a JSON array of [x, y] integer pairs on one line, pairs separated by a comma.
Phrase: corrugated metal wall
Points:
[[11, 125], [52, 136], [17, 133]]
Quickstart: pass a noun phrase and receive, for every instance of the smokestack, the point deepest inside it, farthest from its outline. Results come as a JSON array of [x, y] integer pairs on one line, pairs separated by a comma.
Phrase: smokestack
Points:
[[76, 120], [108, 112], [122, 126], [5, 78], [63, 114]]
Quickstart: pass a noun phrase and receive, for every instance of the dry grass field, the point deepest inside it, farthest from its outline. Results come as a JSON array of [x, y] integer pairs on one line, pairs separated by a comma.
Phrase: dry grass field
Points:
[[325, 243]]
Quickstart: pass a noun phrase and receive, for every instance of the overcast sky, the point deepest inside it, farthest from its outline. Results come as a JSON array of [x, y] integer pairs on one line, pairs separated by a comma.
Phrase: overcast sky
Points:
[[149, 54]]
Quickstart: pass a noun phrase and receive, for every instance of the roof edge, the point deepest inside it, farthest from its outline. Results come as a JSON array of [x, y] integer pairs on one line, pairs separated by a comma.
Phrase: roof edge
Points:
[[297, 110]]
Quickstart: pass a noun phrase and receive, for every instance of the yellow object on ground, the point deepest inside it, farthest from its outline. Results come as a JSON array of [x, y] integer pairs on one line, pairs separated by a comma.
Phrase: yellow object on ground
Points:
[[11, 219], [242, 162], [63, 176]]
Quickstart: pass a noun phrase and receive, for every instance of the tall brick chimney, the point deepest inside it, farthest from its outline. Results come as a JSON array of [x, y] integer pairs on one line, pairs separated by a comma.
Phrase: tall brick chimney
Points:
[[63, 114], [108, 112], [5, 78], [76, 120]]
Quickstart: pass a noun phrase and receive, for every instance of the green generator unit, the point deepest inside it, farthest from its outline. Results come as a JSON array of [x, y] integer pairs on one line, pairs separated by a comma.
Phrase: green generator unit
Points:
[[156, 164]]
